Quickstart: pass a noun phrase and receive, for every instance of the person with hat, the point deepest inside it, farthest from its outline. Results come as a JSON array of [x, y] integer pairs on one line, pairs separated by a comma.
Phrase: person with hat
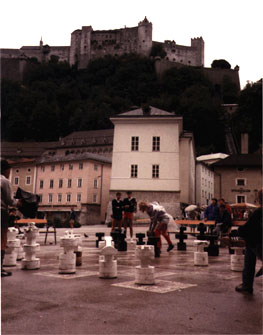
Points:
[[7, 200]]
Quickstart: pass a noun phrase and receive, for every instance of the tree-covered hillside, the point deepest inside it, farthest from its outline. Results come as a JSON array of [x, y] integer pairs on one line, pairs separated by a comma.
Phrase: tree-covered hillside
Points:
[[55, 99]]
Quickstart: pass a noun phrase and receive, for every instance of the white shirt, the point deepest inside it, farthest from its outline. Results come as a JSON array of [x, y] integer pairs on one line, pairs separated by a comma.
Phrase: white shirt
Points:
[[6, 194]]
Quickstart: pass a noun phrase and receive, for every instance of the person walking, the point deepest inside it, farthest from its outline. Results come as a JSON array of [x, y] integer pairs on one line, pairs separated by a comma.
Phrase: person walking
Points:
[[159, 221], [117, 209], [251, 232], [72, 218], [6, 201], [129, 208]]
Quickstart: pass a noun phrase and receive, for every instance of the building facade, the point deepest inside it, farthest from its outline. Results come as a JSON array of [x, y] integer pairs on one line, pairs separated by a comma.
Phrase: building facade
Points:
[[204, 184], [238, 177], [147, 152], [74, 181]]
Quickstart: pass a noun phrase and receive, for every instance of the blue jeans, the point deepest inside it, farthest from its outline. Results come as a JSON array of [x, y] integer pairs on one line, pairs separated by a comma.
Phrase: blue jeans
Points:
[[251, 254]]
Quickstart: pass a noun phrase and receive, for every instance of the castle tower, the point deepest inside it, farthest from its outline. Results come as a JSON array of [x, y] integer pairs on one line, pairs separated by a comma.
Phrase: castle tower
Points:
[[199, 44], [144, 37], [41, 43], [74, 51], [85, 46]]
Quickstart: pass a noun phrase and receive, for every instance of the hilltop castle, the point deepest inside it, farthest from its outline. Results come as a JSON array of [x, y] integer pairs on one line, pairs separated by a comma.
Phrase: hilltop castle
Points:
[[88, 44]]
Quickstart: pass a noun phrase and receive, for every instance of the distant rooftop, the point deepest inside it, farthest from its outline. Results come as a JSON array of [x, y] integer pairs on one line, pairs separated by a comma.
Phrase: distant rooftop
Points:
[[74, 157]]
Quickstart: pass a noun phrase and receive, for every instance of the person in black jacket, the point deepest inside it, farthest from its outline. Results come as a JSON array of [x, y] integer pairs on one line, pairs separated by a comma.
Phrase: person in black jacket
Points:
[[117, 209], [129, 207], [251, 232], [224, 221]]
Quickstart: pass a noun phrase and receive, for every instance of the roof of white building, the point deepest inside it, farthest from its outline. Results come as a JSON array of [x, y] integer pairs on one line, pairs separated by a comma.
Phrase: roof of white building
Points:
[[153, 111]]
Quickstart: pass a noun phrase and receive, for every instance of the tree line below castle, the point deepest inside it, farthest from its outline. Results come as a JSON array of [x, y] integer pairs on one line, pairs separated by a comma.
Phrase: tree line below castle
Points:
[[55, 99]]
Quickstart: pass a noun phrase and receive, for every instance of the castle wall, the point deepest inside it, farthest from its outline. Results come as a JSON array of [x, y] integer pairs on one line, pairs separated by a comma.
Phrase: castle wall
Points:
[[192, 56]]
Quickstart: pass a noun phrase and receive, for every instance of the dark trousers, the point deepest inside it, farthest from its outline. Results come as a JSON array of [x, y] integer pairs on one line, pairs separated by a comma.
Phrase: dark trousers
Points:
[[251, 254]]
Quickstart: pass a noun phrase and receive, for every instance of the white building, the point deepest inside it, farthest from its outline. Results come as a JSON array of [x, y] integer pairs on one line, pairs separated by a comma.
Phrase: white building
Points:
[[204, 184], [154, 158]]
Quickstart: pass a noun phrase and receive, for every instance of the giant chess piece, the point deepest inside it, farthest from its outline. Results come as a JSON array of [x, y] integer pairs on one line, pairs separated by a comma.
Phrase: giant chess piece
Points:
[[237, 260], [30, 262], [67, 259], [144, 273], [12, 247], [107, 263], [200, 256]]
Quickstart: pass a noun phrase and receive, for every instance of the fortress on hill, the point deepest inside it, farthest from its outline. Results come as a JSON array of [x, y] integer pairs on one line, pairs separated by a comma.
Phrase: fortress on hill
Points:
[[88, 44]]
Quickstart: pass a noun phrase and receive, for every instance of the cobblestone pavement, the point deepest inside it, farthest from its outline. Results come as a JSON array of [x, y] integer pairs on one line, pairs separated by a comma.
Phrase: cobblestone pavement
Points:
[[186, 299]]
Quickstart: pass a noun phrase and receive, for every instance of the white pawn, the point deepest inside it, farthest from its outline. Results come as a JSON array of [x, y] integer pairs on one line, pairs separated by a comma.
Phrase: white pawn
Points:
[[237, 259], [107, 263], [200, 256]]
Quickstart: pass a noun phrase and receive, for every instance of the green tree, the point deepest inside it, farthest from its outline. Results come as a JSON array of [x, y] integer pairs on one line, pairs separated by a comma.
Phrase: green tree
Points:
[[248, 116], [220, 64]]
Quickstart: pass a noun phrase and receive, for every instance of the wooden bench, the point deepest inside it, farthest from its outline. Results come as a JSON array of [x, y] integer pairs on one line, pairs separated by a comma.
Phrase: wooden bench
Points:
[[25, 222]]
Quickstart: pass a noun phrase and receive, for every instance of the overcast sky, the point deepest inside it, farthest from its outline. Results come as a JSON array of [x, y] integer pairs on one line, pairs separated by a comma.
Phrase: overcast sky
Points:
[[231, 29]]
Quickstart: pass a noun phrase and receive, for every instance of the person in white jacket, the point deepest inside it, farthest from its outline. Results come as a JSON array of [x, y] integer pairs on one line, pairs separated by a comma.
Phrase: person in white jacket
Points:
[[6, 201], [159, 221]]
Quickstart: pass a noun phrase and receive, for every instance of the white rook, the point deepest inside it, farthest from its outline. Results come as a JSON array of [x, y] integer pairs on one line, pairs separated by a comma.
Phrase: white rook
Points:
[[200, 256], [67, 259], [237, 259], [144, 273], [107, 263], [12, 247], [30, 262]]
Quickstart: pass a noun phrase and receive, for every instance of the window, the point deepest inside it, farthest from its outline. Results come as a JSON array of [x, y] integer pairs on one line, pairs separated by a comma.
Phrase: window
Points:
[[95, 183], [69, 183], [28, 170], [16, 180], [95, 167], [59, 197], [28, 180], [70, 166], [51, 183], [50, 197], [42, 168], [155, 171], [61, 167], [79, 197], [79, 182], [240, 182], [80, 166], [134, 171], [52, 167], [40, 197], [17, 170], [156, 143], [135, 143], [240, 198], [41, 183], [68, 197], [60, 183], [94, 198]]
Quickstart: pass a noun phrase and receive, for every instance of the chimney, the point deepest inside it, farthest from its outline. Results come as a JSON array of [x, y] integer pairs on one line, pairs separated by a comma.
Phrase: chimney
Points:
[[244, 143], [146, 109]]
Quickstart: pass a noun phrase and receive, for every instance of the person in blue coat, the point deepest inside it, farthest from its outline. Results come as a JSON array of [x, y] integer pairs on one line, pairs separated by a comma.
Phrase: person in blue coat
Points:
[[212, 211]]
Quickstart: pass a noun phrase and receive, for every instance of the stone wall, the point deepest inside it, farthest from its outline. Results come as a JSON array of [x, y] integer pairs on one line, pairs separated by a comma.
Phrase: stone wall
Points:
[[169, 200]]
